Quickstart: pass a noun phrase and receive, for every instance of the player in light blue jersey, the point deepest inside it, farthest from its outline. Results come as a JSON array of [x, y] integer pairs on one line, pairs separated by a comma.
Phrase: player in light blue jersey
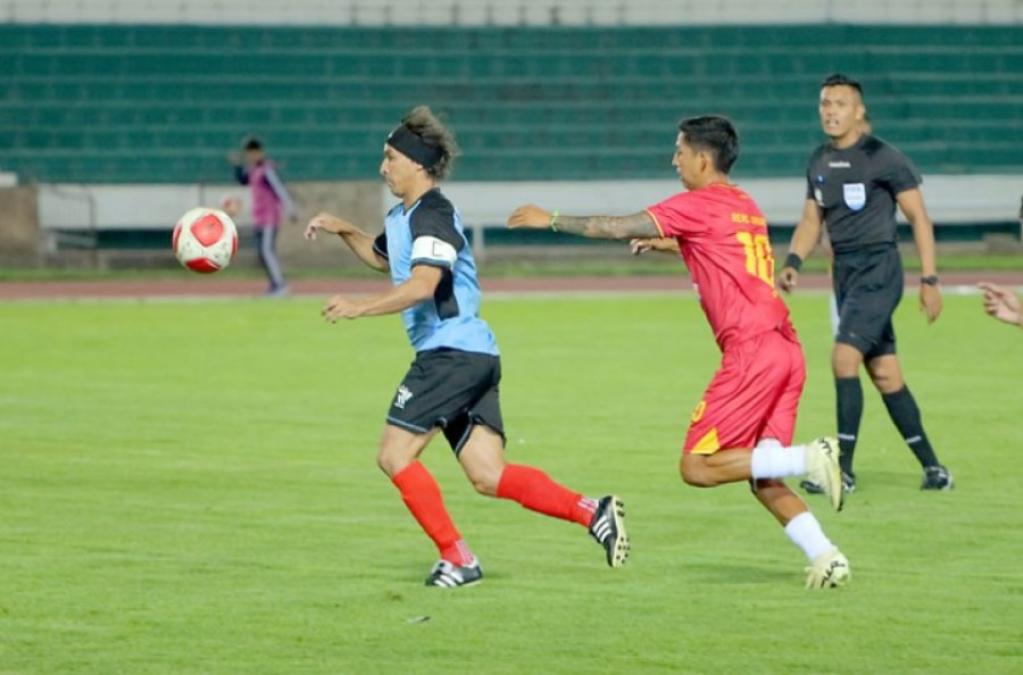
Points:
[[452, 385]]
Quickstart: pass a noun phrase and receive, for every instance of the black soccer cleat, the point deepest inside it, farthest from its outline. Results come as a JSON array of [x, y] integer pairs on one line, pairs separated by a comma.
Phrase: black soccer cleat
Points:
[[608, 528], [937, 478], [448, 575], [848, 485], [811, 488]]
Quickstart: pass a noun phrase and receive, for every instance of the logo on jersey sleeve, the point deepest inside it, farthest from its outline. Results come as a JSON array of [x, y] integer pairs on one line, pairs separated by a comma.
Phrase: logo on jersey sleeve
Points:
[[855, 195], [818, 193]]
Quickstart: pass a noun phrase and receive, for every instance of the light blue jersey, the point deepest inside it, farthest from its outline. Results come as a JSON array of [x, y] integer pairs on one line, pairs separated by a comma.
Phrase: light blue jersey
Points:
[[430, 233]]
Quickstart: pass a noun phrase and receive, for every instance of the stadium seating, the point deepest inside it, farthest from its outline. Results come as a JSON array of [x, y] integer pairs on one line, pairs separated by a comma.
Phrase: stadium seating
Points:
[[149, 104]]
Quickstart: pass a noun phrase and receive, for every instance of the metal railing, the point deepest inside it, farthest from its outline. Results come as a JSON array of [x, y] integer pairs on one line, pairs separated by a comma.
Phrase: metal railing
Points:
[[512, 12]]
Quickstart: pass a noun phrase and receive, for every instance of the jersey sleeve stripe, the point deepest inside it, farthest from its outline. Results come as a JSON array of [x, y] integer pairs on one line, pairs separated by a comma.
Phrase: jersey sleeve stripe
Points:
[[657, 223]]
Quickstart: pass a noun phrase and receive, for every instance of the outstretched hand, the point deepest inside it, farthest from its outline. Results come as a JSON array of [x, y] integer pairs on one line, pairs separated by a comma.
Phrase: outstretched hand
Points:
[[640, 246], [340, 307], [328, 223], [1001, 303], [644, 244], [529, 217]]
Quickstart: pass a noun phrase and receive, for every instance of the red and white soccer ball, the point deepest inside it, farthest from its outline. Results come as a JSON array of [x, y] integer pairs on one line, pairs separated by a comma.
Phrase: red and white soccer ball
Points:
[[205, 240]]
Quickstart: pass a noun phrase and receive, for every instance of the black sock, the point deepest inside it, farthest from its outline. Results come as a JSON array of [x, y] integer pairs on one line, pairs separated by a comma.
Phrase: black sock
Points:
[[906, 415], [849, 404]]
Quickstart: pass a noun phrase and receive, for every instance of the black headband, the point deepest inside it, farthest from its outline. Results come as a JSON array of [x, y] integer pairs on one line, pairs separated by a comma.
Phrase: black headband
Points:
[[412, 145]]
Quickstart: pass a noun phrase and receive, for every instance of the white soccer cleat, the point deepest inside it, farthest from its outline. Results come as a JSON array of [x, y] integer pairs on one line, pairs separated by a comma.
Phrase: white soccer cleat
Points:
[[823, 469], [829, 570]]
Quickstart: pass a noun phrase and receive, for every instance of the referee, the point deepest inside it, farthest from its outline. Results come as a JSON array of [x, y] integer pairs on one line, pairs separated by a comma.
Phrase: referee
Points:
[[854, 182]]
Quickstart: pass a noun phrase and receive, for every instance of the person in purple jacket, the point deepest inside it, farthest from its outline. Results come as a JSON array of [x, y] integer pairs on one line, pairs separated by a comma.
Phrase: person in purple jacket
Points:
[[271, 205]]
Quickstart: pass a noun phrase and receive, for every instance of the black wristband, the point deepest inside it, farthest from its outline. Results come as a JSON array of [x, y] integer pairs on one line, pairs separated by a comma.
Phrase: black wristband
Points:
[[794, 261], [931, 280]]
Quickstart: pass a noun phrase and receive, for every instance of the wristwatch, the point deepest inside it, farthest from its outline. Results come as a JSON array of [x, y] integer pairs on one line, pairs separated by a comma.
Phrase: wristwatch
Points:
[[930, 281]]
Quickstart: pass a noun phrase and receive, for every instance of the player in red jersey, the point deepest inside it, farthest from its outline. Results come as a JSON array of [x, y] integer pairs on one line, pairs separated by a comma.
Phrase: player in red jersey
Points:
[[742, 428]]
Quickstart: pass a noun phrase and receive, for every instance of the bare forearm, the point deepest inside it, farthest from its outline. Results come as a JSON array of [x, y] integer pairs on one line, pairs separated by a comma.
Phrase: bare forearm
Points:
[[911, 203], [609, 227], [804, 239], [923, 235], [808, 231], [669, 246], [361, 245], [398, 299]]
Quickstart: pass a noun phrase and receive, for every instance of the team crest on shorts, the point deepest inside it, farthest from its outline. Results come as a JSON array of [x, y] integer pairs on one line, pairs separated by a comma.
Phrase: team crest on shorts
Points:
[[855, 195], [404, 394], [698, 411]]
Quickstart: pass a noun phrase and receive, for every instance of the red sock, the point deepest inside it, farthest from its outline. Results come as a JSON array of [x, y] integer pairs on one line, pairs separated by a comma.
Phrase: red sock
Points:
[[537, 492], [422, 496]]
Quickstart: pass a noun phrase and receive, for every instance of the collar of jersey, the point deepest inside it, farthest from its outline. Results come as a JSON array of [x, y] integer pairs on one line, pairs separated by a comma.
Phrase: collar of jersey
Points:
[[405, 211]]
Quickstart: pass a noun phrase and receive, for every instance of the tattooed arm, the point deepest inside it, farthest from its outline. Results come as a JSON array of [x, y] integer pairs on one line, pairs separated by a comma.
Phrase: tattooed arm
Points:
[[637, 225]]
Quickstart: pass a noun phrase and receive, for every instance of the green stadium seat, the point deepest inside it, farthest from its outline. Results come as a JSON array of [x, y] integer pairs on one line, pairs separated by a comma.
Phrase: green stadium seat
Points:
[[163, 103]]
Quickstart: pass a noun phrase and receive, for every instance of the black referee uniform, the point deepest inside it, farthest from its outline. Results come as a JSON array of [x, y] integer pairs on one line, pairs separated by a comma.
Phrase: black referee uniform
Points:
[[856, 190]]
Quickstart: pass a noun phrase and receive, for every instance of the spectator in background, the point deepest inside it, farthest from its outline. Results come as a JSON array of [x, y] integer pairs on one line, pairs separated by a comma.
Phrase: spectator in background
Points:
[[271, 205]]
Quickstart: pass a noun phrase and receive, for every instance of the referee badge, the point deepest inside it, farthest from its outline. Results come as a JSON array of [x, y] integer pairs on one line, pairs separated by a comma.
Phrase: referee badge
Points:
[[855, 195]]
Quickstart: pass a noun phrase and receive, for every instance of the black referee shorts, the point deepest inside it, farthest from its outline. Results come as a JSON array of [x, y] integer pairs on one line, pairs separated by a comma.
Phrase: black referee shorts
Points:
[[451, 389], [868, 287]]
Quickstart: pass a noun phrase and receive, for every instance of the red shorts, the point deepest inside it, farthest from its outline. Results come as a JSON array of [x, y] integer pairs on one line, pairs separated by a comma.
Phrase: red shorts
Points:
[[754, 395]]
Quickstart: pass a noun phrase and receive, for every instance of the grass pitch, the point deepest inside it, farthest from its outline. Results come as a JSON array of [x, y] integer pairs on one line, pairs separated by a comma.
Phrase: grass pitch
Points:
[[192, 488]]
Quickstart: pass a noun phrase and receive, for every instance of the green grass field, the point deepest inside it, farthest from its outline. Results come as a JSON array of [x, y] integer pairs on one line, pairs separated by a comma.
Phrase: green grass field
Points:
[[615, 261], [192, 488]]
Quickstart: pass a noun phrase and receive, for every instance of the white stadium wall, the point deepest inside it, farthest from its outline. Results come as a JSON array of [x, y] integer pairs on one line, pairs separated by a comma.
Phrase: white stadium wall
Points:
[[511, 12], [950, 199]]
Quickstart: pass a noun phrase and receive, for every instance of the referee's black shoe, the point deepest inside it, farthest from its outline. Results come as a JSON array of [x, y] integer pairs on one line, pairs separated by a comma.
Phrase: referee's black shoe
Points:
[[937, 478], [608, 528]]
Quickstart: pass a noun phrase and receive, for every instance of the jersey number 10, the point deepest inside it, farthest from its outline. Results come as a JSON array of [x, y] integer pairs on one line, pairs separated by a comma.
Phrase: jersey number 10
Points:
[[759, 259]]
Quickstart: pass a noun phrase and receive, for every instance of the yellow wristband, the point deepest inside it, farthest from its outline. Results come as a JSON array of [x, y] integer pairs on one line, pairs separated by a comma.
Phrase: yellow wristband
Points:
[[554, 221]]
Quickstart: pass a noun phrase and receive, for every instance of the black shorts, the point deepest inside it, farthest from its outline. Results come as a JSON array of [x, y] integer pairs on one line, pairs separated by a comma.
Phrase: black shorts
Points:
[[868, 287], [450, 389]]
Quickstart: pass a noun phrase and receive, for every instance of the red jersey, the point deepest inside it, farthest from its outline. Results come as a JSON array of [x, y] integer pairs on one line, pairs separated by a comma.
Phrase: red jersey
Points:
[[723, 239]]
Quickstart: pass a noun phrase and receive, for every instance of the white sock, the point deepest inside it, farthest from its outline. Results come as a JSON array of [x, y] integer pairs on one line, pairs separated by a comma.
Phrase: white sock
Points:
[[806, 533], [771, 460]]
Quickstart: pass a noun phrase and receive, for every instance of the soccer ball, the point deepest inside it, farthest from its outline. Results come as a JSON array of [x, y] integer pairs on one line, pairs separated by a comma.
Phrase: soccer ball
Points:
[[205, 240]]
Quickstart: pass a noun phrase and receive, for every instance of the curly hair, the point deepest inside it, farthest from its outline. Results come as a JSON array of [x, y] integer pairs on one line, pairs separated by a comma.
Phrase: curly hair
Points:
[[425, 124]]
